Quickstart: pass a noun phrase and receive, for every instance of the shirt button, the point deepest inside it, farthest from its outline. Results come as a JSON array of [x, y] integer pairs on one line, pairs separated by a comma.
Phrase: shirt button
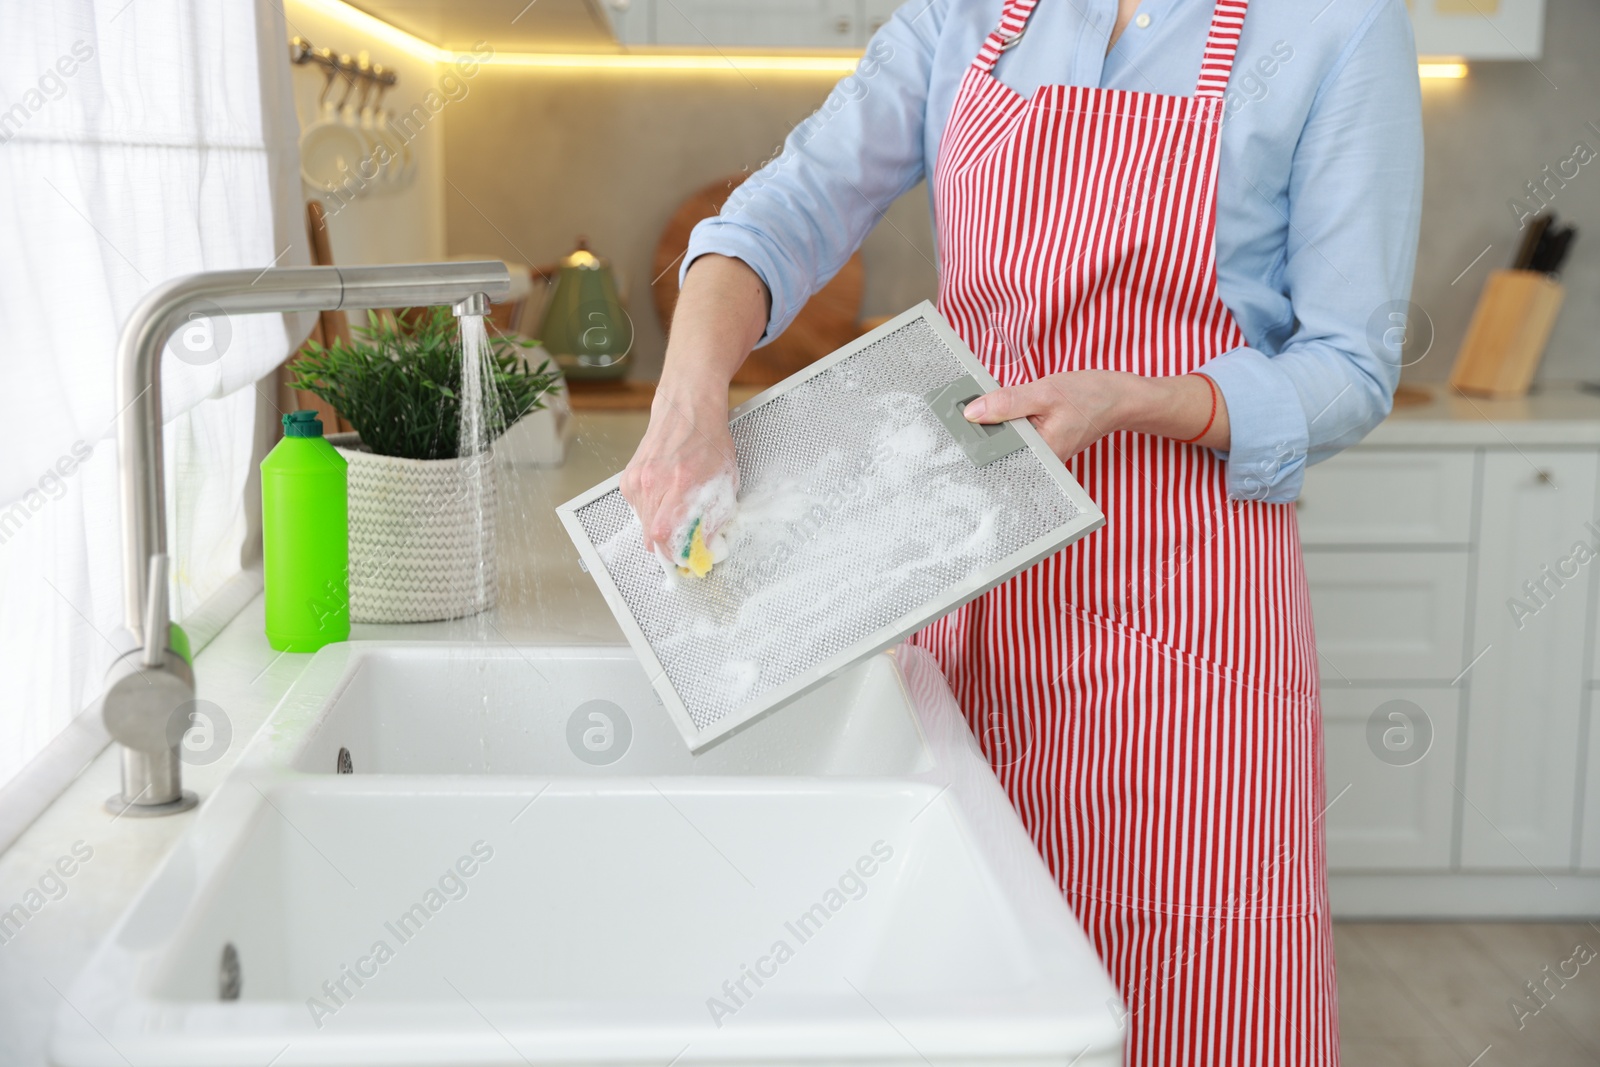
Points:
[[1143, 21]]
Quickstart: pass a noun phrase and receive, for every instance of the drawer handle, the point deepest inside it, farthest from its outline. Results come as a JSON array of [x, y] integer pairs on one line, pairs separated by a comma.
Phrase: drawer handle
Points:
[[1545, 478], [843, 24], [1299, 502]]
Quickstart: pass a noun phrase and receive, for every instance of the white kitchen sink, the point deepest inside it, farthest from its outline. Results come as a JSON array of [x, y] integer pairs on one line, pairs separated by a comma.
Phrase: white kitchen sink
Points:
[[442, 709], [842, 882]]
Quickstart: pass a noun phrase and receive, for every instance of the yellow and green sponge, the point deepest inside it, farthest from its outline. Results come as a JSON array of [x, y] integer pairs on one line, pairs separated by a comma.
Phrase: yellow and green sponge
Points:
[[695, 558]]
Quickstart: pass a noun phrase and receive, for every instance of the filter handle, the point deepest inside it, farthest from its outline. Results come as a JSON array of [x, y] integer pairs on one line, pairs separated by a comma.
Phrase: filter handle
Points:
[[983, 443]]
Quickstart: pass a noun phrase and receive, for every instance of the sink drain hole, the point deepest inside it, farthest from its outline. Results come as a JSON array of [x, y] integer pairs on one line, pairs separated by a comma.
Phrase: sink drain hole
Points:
[[344, 765], [229, 979]]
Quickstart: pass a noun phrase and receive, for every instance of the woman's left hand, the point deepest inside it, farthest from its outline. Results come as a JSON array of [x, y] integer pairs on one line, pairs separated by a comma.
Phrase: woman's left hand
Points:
[[1073, 410]]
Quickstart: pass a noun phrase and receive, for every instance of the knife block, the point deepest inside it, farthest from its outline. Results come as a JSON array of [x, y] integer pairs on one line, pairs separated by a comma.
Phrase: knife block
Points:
[[1508, 334]]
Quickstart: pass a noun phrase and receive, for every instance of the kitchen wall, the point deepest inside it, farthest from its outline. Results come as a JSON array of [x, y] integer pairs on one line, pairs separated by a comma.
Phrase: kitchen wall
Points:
[[1487, 137], [405, 226], [535, 158]]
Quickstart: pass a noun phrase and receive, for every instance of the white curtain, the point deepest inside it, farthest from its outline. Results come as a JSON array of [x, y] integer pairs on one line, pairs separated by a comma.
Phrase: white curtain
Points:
[[139, 141]]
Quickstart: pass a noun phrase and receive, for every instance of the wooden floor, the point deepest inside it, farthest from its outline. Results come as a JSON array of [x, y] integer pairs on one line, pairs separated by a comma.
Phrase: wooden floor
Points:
[[1426, 994]]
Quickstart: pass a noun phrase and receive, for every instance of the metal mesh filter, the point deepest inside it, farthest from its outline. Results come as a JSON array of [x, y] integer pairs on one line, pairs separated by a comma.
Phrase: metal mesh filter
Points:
[[860, 520]]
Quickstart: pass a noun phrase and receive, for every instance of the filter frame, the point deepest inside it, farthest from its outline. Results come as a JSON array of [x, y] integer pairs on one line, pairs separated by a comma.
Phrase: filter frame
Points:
[[1088, 519]]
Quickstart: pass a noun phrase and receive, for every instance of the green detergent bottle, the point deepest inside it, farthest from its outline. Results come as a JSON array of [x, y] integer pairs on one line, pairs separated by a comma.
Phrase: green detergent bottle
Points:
[[305, 531]]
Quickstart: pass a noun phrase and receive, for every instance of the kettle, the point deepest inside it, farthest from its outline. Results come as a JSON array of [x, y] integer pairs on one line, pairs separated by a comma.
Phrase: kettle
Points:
[[585, 327]]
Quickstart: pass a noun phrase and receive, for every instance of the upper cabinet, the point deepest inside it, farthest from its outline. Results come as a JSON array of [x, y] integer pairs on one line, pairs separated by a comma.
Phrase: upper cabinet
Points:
[[748, 23], [875, 13], [1473, 29], [759, 23], [1479, 29], [510, 25], [630, 20]]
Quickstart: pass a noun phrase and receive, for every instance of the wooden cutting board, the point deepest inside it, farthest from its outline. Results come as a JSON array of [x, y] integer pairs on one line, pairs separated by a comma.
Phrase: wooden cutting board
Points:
[[331, 326], [828, 320]]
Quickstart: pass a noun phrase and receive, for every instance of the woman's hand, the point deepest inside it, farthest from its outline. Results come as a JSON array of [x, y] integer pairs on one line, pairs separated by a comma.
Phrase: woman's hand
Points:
[[721, 314], [686, 446], [1072, 411]]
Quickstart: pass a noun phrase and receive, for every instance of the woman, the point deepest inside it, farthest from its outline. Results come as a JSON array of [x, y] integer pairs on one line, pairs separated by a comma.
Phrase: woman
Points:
[[1176, 233]]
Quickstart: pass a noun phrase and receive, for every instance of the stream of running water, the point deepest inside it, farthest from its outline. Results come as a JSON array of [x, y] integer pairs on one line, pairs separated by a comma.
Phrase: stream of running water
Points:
[[478, 400]]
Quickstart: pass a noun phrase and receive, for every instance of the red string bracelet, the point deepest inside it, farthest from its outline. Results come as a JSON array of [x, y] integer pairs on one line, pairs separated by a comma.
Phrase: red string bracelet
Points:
[[1213, 418]]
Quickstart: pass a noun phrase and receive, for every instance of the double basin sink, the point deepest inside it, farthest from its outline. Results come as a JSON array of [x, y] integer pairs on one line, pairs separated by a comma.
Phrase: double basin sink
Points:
[[466, 854]]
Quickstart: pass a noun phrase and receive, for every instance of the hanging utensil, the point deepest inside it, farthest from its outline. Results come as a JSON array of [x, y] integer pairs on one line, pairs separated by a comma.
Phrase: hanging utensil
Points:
[[330, 151]]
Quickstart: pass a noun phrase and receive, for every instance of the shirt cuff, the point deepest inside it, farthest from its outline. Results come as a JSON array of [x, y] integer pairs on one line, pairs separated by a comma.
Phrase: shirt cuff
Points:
[[721, 237], [1267, 454]]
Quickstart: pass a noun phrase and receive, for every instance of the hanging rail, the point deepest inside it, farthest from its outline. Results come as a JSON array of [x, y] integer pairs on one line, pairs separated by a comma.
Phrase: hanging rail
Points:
[[353, 67]]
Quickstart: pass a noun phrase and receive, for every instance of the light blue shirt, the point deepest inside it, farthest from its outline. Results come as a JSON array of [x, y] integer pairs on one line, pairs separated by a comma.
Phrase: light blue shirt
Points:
[[1319, 195]]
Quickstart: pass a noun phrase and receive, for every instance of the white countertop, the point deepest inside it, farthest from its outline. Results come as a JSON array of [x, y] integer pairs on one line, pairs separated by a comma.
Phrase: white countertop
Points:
[[1556, 413], [545, 599]]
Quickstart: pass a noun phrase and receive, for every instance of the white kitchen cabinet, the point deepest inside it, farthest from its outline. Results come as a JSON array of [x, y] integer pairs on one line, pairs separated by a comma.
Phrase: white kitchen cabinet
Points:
[[1472, 29], [1425, 552], [631, 20], [1589, 847], [1479, 29], [1526, 690], [1593, 537], [875, 13], [1426, 498], [754, 23], [1383, 616], [1389, 808]]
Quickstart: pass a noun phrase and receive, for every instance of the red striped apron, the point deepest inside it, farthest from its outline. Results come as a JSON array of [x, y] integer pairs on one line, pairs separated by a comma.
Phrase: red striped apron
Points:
[[1148, 696]]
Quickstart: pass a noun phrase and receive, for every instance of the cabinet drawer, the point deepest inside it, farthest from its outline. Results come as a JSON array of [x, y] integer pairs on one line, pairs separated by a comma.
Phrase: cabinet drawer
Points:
[[1389, 615], [1391, 757], [1375, 497]]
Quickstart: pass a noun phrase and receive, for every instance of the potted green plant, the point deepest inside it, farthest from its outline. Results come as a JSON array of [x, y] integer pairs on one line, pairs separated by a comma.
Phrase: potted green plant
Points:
[[422, 543]]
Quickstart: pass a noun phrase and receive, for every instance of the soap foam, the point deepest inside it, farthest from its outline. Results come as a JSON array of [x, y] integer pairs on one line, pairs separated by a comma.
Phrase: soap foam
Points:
[[802, 546]]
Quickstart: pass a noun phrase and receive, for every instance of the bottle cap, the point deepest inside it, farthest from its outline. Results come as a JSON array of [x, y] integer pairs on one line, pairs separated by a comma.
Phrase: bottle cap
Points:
[[302, 424]]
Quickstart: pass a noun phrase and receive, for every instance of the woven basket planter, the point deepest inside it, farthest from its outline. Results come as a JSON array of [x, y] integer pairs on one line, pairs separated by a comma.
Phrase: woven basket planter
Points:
[[416, 554]]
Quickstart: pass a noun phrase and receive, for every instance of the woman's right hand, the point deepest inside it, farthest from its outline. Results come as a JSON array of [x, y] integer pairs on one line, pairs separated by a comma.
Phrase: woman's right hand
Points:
[[721, 314], [686, 446]]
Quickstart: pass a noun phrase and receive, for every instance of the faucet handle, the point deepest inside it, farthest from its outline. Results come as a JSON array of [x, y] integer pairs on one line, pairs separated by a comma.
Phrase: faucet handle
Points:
[[156, 615], [146, 687], [143, 708]]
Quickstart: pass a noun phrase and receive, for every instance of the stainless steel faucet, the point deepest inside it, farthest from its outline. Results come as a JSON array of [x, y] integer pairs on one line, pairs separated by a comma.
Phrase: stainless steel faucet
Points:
[[147, 687]]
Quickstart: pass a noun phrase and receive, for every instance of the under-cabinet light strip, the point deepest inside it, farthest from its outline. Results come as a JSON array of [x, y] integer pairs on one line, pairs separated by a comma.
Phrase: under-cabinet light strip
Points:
[[1442, 67]]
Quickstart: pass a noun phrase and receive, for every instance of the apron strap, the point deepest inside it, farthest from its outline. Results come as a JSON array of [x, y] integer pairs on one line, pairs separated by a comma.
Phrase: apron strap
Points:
[[1013, 24], [1221, 46], [1222, 43]]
